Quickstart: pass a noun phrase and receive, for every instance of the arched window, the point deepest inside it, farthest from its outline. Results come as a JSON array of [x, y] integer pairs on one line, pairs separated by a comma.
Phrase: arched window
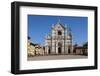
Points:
[[59, 44], [59, 33]]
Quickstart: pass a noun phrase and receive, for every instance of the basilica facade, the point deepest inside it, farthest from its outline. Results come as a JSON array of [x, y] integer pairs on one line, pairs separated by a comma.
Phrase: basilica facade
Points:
[[59, 41]]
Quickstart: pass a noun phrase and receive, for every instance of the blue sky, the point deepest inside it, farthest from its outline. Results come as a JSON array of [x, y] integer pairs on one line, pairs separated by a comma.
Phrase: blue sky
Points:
[[40, 25]]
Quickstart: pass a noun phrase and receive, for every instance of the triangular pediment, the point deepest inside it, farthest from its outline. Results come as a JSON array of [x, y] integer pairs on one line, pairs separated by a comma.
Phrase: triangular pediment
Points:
[[59, 26]]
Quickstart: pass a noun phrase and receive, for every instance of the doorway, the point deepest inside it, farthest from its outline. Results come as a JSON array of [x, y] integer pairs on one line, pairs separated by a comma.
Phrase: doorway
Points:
[[49, 51], [68, 51], [59, 50]]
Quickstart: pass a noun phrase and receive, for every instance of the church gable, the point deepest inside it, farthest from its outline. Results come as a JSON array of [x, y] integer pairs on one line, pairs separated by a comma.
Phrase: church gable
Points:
[[59, 26]]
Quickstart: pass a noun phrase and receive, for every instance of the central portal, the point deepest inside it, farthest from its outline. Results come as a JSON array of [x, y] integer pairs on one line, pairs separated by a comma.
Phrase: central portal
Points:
[[59, 50]]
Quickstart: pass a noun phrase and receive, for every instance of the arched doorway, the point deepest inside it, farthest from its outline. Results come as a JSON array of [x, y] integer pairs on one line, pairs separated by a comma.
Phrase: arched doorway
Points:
[[68, 50], [59, 48], [49, 51]]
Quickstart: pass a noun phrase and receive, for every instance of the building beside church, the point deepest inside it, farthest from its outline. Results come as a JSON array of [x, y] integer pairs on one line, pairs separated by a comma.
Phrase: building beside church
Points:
[[59, 41], [80, 50], [34, 49]]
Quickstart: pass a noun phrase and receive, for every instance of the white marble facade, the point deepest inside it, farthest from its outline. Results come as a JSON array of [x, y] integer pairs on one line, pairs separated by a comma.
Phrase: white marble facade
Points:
[[59, 41]]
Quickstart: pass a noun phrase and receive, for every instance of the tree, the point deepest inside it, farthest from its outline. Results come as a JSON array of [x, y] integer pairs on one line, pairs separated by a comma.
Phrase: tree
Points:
[[85, 45], [76, 45], [29, 38]]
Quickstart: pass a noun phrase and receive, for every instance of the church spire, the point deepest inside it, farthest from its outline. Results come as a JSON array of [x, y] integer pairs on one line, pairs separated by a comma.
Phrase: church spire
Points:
[[59, 20], [52, 26], [69, 31]]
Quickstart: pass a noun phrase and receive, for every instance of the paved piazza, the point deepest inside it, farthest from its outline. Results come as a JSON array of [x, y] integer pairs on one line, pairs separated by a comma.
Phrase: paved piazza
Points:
[[56, 57]]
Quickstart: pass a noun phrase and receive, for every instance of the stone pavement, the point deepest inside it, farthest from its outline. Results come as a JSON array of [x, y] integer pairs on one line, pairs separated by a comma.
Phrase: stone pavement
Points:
[[56, 57]]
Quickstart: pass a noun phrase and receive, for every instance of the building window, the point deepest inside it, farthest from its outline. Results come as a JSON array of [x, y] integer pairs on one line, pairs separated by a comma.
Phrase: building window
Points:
[[74, 51], [59, 33], [59, 44]]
